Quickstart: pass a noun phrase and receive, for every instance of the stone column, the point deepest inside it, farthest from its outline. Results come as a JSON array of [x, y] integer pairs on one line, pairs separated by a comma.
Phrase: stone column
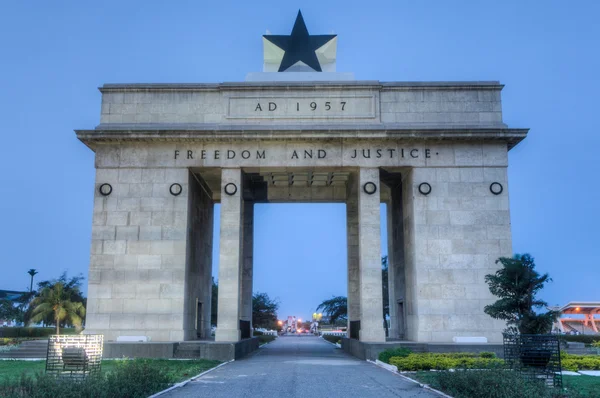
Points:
[[230, 257], [247, 262], [393, 329], [369, 248], [396, 278], [352, 238]]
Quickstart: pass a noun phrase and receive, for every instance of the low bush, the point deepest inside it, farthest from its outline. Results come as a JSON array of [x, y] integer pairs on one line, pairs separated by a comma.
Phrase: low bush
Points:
[[399, 352], [580, 338], [580, 362], [333, 339], [264, 338], [428, 361], [6, 341], [130, 379], [257, 333], [492, 383], [33, 332], [485, 354]]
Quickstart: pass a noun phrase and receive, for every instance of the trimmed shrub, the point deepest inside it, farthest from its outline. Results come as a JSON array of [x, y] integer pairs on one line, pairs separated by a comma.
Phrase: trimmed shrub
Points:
[[257, 333], [265, 338], [33, 332], [5, 341], [333, 339], [399, 352], [580, 362], [581, 338], [429, 361], [485, 354], [492, 383]]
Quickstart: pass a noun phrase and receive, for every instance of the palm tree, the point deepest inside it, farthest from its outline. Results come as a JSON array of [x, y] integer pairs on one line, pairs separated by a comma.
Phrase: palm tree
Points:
[[55, 301], [336, 308], [31, 272]]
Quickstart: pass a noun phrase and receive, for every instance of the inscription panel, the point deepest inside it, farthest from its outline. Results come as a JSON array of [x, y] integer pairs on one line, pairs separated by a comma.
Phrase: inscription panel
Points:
[[305, 107]]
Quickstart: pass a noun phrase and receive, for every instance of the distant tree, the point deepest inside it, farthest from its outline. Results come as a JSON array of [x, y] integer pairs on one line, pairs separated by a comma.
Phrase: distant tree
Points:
[[56, 301], [336, 309], [385, 291], [8, 310], [71, 285], [516, 284], [214, 302], [31, 272], [264, 311], [385, 287]]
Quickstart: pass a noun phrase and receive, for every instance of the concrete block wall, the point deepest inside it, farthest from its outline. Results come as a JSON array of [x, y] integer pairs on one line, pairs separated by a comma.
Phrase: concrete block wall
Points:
[[435, 105], [454, 235], [138, 257]]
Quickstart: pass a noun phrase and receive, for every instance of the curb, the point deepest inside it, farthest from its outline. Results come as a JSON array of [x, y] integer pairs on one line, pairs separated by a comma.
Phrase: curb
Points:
[[329, 342], [183, 383], [261, 346], [424, 386]]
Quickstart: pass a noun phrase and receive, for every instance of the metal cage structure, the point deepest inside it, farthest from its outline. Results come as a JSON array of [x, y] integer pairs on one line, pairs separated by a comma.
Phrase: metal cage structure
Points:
[[74, 357], [536, 357]]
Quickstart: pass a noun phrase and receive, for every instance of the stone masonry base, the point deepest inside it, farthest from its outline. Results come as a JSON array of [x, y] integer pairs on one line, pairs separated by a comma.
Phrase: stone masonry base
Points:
[[371, 350], [185, 349]]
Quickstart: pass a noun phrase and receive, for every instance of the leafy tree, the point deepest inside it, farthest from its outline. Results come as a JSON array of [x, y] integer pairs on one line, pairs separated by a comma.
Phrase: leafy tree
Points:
[[55, 301], [214, 302], [8, 311], [385, 287], [71, 287], [516, 284], [264, 311], [336, 308]]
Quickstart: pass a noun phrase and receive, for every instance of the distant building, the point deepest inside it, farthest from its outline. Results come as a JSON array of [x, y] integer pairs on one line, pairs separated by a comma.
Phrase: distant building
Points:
[[579, 317]]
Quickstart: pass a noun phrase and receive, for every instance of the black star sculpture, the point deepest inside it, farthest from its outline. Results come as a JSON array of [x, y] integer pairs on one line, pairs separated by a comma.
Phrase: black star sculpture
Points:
[[299, 46]]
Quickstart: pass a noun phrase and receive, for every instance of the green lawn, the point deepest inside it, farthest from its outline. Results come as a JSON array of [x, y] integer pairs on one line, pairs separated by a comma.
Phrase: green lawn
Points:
[[582, 386], [586, 385], [179, 369]]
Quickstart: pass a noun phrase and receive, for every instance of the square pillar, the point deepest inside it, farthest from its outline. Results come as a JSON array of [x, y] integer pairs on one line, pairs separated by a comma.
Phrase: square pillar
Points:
[[369, 248], [247, 262], [230, 258], [352, 250], [396, 279]]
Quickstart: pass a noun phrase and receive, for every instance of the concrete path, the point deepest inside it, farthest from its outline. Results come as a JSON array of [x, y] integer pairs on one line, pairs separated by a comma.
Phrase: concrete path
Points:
[[300, 367]]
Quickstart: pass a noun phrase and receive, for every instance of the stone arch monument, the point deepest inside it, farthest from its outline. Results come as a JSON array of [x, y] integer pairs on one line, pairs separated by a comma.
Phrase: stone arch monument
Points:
[[435, 152]]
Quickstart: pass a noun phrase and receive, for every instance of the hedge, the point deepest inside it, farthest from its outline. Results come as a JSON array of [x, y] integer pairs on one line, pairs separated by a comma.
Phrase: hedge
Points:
[[265, 338], [580, 338], [33, 332], [332, 339], [489, 383], [429, 361], [484, 360], [400, 352], [580, 362]]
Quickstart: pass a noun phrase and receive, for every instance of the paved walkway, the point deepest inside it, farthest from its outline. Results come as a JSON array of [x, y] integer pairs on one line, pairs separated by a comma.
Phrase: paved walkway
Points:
[[300, 367]]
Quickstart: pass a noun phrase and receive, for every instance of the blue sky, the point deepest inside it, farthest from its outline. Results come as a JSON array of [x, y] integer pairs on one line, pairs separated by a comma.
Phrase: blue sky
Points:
[[53, 56]]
